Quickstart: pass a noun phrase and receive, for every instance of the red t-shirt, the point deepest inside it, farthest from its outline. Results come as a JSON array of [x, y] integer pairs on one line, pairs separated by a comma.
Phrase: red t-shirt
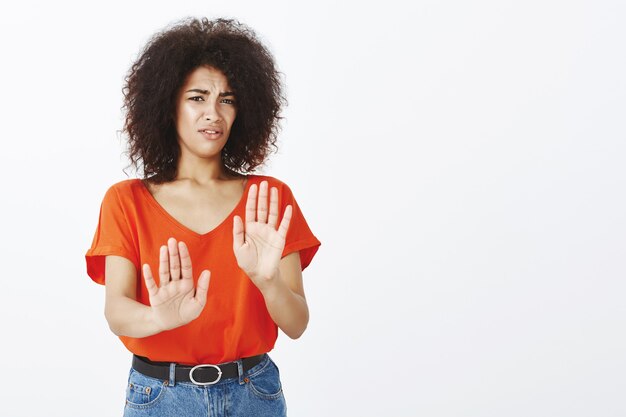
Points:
[[235, 322]]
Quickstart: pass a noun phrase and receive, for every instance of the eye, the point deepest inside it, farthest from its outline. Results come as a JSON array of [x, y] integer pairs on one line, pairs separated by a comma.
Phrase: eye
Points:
[[228, 101], [196, 98]]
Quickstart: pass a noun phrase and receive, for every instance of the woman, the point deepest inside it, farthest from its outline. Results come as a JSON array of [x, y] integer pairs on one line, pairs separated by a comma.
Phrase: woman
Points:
[[202, 109]]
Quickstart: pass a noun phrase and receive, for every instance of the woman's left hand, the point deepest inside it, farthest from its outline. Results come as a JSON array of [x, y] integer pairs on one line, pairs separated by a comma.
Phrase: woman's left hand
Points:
[[259, 247]]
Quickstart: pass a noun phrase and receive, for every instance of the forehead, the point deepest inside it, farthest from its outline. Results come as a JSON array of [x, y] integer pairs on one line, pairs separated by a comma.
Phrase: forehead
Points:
[[206, 78]]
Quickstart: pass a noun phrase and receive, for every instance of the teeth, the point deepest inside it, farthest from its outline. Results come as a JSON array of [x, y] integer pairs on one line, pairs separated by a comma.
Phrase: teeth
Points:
[[209, 131]]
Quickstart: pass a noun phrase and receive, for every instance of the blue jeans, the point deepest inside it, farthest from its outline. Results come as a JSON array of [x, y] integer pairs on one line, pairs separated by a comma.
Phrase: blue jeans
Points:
[[256, 392]]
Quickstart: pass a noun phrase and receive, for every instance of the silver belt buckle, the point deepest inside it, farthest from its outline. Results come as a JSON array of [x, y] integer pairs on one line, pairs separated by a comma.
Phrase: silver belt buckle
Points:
[[219, 374]]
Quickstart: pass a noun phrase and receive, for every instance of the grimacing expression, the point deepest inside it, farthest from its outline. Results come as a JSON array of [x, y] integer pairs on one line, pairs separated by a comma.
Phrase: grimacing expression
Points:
[[205, 112]]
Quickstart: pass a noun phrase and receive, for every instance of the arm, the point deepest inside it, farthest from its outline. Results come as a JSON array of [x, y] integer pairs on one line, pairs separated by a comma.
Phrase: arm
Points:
[[172, 304], [126, 316], [284, 297], [258, 246]]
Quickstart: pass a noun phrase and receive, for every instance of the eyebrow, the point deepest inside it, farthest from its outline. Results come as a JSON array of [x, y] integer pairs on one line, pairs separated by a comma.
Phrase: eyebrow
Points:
[[197, 90]]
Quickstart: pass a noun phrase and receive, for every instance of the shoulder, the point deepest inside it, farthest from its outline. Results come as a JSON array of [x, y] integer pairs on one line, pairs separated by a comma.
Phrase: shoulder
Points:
[[283, 188], [124, 190], [125, 185], [285, 193], [257, 178], [271, 181]]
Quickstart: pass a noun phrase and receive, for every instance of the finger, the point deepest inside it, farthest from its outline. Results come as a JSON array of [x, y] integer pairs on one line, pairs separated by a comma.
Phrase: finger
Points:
[[164, 266], [174, 259], [261, 214], [251, 204], [273, 218], [284, 223], [150, 284], [238, 233], [185, 261], [203, 287]]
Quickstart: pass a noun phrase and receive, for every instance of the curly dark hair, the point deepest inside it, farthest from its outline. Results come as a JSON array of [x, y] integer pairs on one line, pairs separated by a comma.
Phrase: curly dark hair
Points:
[[154, 80]]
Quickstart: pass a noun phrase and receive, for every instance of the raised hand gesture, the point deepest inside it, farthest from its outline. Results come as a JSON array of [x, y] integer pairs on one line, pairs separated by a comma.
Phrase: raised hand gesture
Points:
[[259, 245], [175, 301]]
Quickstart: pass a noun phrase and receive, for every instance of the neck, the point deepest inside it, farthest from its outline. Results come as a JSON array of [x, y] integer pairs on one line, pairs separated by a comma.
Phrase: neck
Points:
[[203, 171]]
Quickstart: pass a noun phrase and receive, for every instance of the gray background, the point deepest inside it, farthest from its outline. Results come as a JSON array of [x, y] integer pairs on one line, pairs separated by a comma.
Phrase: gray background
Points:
[[461, 162]]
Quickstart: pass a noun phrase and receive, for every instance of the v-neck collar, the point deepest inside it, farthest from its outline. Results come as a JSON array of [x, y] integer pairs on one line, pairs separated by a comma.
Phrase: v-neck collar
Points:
[[184, 228]]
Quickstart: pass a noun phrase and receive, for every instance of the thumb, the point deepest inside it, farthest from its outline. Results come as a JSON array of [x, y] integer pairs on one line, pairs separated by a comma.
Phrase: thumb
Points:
[[150, 284], [238, 233], [203, 287]]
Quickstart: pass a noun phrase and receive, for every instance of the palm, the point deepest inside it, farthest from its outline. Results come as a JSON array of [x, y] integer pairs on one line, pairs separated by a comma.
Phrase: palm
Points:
[[258, 247], [261, 251], [175, 302]]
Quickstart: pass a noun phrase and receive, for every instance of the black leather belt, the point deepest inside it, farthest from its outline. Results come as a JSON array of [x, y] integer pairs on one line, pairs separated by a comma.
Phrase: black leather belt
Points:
[[203, 374]]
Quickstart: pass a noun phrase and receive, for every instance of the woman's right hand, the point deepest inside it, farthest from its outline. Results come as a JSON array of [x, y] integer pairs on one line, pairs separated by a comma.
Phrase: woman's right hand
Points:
[[175, 302]]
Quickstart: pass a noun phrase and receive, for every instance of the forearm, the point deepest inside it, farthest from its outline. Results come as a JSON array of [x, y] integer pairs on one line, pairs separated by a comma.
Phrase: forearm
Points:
[[288, 309], [127, 317]]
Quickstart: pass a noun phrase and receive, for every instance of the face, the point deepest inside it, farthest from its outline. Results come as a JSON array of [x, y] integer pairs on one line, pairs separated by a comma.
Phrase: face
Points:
[[205, 112]]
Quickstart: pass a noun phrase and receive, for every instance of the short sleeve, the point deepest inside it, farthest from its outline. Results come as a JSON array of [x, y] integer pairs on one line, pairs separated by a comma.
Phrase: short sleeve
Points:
[[299, 236], [113, 236]]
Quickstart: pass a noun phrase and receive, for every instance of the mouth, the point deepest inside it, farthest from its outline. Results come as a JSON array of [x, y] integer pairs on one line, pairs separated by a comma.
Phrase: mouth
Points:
[[211, 134]]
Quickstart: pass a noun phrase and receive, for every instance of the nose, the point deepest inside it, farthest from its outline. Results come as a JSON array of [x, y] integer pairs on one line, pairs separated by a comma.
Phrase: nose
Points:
[[210, 112]]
